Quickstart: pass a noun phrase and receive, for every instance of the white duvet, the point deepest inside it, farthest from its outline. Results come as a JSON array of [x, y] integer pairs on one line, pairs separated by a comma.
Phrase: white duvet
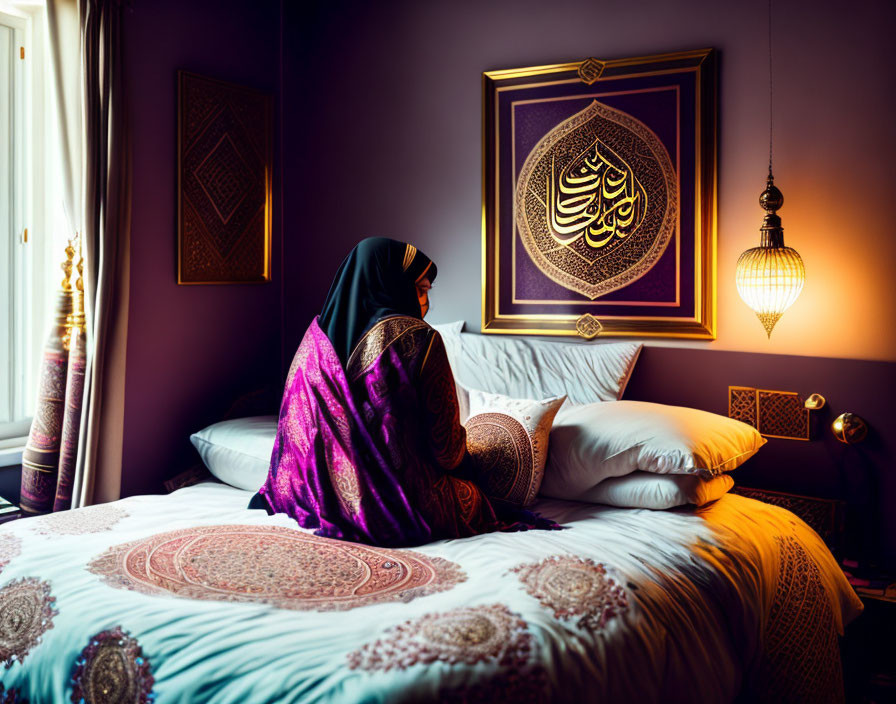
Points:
[[623, 605]]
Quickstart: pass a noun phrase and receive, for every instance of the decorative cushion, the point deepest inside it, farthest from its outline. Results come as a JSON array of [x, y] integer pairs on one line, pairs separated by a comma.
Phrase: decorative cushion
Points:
[[592, 443], [521, 368], [238, 451], [658, 491], [508, 442]]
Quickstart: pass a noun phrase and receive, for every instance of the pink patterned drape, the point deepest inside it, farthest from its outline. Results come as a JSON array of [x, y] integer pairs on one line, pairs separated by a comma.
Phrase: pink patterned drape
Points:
[[74, 399], [48, 462], [40, 460]]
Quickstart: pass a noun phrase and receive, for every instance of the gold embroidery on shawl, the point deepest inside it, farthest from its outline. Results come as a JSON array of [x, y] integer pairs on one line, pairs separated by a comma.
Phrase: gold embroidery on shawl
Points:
[[378, 339], [410, 252], [345, 482], [426, 356], [448, 439]]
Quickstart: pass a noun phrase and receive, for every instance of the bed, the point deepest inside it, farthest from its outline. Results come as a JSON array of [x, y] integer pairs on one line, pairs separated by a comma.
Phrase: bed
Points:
[[192, 597]]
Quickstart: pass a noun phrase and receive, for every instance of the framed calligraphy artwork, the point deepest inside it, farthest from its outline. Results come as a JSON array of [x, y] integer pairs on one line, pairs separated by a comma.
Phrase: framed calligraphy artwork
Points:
[[599, 198], [224, 182]]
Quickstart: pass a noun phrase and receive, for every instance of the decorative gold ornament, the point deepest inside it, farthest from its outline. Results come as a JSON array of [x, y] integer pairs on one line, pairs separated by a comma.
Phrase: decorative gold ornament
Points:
[[76, 318], [849, 428], [815, 402], [590, 70], [588, 326], [67, 266], [775, 414], [64, 307]]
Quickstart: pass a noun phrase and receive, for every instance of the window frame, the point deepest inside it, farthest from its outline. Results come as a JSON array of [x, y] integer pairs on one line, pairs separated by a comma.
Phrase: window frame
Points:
[[31, 256]]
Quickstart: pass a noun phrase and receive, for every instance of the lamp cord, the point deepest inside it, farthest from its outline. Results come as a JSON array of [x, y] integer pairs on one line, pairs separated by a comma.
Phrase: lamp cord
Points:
[[770, 93]]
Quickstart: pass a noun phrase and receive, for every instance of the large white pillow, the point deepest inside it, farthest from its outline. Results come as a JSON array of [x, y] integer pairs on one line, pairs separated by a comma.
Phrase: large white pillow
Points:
[[450, 333], [521, 368], [592, 443], [507, 440], [658, 491], [448, 329], [238, 451]]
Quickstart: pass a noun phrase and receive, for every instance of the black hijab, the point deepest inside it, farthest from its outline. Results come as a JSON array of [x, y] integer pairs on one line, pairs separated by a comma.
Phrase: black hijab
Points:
[[377, 279]]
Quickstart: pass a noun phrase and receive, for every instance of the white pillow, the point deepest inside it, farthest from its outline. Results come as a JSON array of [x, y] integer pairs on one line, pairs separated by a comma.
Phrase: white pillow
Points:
[[658, 491], [508, 441], [450, 333], [238, 451], [591, 443], [448, 329], [521, 368]]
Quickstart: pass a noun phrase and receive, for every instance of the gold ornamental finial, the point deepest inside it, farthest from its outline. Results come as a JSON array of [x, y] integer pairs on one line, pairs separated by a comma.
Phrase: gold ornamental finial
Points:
[[75, 319], [78, 317], [68, 265]]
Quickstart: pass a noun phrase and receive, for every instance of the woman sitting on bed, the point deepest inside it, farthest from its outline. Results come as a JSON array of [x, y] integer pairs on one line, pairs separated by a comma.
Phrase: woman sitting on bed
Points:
[[369, 432]]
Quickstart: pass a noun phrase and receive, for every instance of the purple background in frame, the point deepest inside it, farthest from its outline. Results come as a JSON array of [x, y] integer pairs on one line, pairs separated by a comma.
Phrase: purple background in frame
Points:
[[530, 123], [654, 109]]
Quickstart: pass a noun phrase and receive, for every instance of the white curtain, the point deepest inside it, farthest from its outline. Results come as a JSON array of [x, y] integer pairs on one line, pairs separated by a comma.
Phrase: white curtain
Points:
[[85, 41]]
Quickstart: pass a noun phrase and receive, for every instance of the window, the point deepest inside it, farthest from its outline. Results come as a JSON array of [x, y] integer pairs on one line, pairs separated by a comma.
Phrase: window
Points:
[[31, 228], [12, 201]]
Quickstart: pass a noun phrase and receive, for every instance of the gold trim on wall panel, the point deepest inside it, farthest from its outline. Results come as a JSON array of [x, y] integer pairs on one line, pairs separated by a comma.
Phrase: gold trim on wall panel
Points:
[[761, 409], [702, 324]]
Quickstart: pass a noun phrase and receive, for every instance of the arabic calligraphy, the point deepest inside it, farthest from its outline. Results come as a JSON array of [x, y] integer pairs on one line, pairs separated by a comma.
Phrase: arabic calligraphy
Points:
[[595, 196], [596, 202]]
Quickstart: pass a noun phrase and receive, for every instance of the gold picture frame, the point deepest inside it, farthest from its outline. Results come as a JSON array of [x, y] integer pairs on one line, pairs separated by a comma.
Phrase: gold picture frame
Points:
[[669, 100], [224, 182]]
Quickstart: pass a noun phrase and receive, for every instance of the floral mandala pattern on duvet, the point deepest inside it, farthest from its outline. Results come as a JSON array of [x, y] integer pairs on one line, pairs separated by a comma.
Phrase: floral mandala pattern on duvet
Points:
[[283, 567], [81, 521], [10, 548], [574, 587], [469, 635], [26, 613], [111, 669]]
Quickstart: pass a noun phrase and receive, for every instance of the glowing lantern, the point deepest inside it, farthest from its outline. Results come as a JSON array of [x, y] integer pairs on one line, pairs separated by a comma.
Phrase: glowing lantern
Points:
[[770, 277]]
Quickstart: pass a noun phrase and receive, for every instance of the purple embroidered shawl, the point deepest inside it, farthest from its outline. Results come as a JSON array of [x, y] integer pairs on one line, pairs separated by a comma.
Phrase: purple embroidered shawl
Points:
[[365, 454]]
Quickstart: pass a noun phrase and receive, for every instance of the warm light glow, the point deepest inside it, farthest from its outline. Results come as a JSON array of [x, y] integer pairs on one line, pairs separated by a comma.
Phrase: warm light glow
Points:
[[770, 279]]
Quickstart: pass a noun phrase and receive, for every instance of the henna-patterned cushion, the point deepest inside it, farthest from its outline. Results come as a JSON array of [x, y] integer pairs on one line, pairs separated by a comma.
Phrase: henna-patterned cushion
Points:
[[508, 441]]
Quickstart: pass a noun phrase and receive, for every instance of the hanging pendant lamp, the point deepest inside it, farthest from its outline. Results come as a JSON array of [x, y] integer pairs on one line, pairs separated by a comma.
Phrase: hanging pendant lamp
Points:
[[770, 277]]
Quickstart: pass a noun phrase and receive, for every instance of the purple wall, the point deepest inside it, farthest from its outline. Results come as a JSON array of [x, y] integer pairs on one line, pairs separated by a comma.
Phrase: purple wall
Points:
[[191, 349], [382, 107], [382, 115], [862, 475]]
